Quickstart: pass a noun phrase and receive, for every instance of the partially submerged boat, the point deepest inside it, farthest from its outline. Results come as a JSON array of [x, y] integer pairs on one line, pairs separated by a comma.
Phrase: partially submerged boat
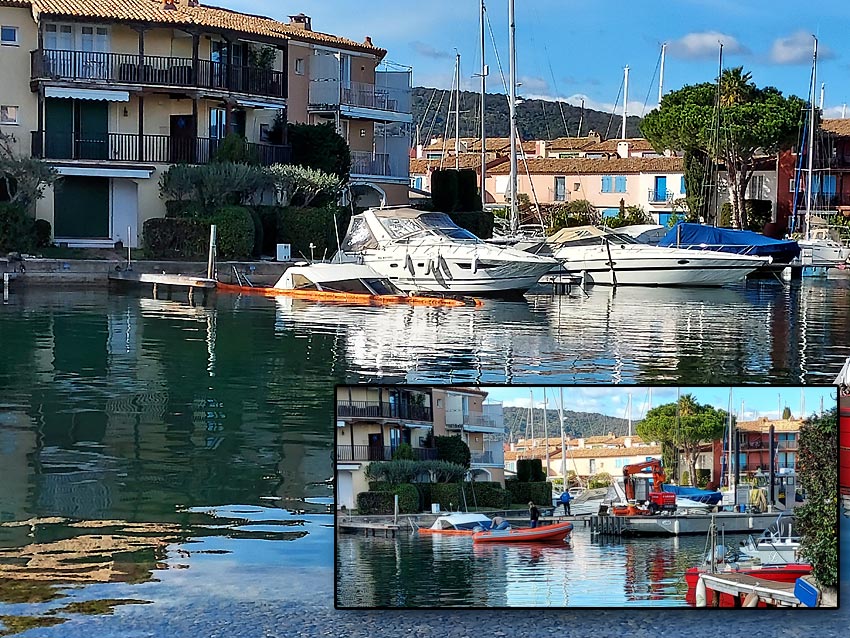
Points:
[[604, 256], [460, 523], [543, 533], [422, 251], [344, 283]]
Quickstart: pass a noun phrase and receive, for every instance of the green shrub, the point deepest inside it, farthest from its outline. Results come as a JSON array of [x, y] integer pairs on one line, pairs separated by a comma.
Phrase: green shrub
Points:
[[270, 221], [759, 212], [444, 190], [479, 223], [725, 215], [445, 471], [686, 478], [408, 498], [530, 471], [234, 232], [375, 502], [703, 477], [43, 233], [213, 185], [17, 229], [301, 186], [320, 146], [164, 238], [424, 490], [380, 486], [403, 452], [184, 208], [453, 449], [600, 479], [178, 183], [523, 492], [300, 227], [488, 494], [468, 193], [259, 231], [234, 148], [447, 495]]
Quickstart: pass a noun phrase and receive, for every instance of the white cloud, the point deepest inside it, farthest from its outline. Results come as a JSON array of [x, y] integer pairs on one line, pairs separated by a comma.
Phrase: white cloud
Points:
[[834, 112], [426, 50], [704, 44], [797, 49]]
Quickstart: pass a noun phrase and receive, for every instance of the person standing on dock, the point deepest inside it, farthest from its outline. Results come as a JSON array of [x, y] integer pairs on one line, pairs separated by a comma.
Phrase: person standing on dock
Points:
[[533, 514], [565, 501]]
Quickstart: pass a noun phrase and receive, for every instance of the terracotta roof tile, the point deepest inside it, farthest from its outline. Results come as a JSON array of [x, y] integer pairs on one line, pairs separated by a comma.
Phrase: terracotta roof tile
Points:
[[422, 166], [839, 127], [152, 11], [23, 4], [593, 453], [610, 146], [570, 143], [585, 165], [473, 145], [763, 425]]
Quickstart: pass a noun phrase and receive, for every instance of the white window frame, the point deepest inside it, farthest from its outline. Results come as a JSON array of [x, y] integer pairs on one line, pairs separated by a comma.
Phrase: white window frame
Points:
[[299, 66], [14, 122], [11, 43]]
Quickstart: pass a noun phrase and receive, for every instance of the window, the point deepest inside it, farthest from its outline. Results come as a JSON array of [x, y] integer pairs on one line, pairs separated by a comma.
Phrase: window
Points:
[[9, 36], [756, 189], [560, 189], [299, 66], [8, 114], [606, 183], [591, 466], [576, 186], [620, 184]]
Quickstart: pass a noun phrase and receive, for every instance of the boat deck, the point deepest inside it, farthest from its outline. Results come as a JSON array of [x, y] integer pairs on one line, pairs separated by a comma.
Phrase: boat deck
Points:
[[743, 586]]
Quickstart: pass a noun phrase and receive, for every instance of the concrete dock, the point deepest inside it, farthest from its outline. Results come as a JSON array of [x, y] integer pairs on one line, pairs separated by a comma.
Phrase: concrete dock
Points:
[[677, 525]]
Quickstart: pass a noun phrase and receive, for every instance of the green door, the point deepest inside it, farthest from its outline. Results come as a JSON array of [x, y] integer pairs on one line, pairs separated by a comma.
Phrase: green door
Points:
[[59, 128], [81, 208], [93, 124]]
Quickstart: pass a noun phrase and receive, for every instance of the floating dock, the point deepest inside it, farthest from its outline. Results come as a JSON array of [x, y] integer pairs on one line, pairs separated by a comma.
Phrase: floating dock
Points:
[[387, 530], [166, 282], [747, 591], [678, 525]]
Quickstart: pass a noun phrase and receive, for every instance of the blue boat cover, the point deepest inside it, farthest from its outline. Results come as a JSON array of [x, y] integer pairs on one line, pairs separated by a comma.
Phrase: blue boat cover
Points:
[[695, 494], [744, 242]]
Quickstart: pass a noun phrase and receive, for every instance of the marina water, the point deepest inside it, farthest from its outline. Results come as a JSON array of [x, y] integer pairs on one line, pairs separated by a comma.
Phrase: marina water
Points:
[[181, 455]]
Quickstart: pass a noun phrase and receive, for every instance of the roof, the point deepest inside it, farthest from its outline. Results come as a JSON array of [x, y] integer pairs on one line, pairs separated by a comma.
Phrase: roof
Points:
[[586, 165], [15, 3], [571, 143], [152, 11], [763, 425], [838, 127], [610, 146], [473, 145], [422, 166]]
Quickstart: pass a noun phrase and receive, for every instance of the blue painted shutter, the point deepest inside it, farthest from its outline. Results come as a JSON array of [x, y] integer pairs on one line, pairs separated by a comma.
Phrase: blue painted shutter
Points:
[[620, 184], [682, 188], [606, 183]]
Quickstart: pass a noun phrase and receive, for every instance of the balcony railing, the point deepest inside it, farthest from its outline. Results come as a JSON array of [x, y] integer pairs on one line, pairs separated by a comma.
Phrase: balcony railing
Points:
[[660, 197], [327, 93], [383, 410], [381, 164], [155, 70], [132, 147], [379, 453]]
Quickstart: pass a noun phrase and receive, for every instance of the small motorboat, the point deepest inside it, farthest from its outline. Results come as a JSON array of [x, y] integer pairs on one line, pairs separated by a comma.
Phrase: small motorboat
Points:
[[776, 545], [459, 523], [343, 283], [544, 533], [779, 573]]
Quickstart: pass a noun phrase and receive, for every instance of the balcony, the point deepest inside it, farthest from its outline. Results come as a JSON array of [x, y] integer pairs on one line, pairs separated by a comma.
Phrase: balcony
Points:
[[377, 164], [660, 197], [472, 423], [132, 147], [378, 453], [328, 94], [154, 70], [383, 410]]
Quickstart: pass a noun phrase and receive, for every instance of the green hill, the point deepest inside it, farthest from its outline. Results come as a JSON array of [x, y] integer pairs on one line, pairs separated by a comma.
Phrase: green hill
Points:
[[537, 119], [576, 424]]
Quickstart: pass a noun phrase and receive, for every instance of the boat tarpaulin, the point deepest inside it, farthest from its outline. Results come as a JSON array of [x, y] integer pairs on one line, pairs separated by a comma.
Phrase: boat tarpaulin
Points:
[[745, 242]]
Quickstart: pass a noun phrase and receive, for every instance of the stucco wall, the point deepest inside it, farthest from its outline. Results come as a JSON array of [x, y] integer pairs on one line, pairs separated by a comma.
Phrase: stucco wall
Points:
[[15, 76], [299, 85]]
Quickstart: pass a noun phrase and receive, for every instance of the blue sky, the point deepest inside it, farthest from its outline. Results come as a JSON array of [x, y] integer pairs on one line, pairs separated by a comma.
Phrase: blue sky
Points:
[[613, 400], [572, 48]]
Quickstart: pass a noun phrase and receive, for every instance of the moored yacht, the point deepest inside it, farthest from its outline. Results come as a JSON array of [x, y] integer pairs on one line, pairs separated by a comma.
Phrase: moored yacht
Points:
[[610, 258], [425, 251]]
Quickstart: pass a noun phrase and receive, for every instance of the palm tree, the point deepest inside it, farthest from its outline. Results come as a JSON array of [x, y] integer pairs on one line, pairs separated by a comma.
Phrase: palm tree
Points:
[[736, 87]]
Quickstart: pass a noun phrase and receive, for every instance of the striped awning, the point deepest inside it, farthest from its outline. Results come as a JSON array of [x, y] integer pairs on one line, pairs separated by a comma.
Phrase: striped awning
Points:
[[107, 95]]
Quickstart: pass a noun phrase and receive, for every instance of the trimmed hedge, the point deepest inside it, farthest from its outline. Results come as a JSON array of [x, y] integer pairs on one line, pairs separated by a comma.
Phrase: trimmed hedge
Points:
[[234, 232], [455, 190], [17, 229], [375, 502], [167, 238], [521, 492], [299, 227], [408, 498], [453, 449], [488, 494], [530, 471], [447, 495], [479, 223]]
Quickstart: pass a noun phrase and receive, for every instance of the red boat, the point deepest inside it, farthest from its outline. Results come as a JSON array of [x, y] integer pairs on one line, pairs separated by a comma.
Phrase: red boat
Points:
[[544, 533], [779, 573]]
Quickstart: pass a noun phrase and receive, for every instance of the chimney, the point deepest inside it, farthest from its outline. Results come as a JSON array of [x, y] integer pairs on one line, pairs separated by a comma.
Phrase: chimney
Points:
[[169, 5], [368, 42], [540, 148], [301, 21], [193, 3], [623, 149]]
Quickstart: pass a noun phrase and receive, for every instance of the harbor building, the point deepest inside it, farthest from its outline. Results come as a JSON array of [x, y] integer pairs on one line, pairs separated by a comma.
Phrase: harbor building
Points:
[[754, 446]]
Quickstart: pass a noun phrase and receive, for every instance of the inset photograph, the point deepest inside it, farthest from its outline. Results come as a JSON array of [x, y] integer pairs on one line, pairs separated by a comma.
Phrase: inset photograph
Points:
[[586, 496]]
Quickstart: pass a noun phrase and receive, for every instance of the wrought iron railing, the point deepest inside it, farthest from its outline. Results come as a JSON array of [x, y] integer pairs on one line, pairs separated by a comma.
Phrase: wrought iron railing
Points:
[[660, 197], [379, 453], [132, 147], [156, 70], [383, 410]]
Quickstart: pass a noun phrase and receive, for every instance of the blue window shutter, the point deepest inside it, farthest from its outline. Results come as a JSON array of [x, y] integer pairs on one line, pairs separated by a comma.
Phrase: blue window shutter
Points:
[[829, 184], [682, 188], [620, 184], [606, 183]]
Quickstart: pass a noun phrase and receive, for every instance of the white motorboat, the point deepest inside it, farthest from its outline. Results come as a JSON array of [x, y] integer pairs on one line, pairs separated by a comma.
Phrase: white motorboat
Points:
[[822, 253], [776, 545], [421, 251], [610, 258], [346, 278], [644, 233]]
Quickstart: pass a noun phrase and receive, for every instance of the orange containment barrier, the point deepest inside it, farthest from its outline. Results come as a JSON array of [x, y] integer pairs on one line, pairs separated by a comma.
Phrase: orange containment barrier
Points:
[[352, 298]]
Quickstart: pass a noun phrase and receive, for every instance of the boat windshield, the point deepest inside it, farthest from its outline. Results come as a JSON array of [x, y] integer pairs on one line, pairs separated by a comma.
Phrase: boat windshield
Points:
[[438, 224], [382, 287]]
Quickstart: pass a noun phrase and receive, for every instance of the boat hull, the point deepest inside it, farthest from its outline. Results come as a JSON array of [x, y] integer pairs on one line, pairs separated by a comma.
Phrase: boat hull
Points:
[[643, 265], [544, 533], [777, 573], [347, 298]]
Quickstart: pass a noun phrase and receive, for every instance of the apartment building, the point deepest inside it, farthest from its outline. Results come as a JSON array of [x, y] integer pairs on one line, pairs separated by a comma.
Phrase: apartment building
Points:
[[112, 93], [372, 422], [754, 445], [367, 98]]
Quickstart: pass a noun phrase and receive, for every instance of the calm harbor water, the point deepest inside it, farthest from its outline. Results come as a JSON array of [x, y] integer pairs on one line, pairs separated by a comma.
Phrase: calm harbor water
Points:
[[180, 456], [433, 571]]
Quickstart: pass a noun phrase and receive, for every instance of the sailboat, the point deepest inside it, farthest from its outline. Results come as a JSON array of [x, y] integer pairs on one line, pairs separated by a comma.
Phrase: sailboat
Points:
[[817, 249]]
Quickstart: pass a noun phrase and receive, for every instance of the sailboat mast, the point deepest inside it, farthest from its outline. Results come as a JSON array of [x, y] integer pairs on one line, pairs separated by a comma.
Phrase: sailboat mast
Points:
[[563, 439], [546, 430], [457, 111], [512, 110], [730, 434], [811, 143], [484, 72], [629, 409], [625, 99], [661, 73], [531, 418]]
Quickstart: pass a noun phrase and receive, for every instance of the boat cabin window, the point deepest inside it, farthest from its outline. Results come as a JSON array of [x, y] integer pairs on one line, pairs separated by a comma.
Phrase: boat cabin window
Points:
[[347, 285], [442, 224], [300, 282], [359, 237], [399, 227], [382, 287]]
